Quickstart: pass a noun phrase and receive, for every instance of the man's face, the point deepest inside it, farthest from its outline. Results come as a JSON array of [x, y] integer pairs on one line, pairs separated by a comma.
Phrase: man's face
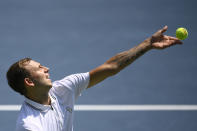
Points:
[[39, 74]]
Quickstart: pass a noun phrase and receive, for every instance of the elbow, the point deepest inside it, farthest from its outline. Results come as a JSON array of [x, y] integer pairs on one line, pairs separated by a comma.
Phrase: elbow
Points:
[[112, 69]]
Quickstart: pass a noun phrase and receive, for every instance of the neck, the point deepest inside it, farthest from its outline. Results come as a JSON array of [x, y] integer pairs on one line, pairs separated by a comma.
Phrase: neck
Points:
[[42, 98]]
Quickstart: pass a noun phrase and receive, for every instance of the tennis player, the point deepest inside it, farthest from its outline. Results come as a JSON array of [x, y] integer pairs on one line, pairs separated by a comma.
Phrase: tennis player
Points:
[[49, 106]]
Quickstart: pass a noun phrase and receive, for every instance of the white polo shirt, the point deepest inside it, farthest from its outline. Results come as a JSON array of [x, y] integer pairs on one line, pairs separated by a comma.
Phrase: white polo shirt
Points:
[[59, 115]]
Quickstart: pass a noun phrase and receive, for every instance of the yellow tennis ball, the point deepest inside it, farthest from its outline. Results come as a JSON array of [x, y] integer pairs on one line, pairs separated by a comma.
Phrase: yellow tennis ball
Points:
[[181, 33]]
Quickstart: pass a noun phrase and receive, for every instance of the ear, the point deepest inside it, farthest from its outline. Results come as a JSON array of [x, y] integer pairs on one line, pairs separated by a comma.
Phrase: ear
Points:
[[28, 82]]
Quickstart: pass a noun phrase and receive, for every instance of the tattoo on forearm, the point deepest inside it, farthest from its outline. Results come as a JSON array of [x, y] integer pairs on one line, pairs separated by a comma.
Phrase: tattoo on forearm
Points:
[[125, 58]]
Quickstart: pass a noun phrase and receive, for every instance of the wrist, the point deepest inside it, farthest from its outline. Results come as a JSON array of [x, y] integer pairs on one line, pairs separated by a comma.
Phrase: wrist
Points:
[[148, 43]]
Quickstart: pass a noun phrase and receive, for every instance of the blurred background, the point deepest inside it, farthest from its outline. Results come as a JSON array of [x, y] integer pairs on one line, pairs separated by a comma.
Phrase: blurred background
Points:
[[73, 36]]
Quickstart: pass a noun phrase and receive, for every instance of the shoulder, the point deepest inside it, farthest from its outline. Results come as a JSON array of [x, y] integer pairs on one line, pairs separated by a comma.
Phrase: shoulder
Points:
[[70, 85], [72, 81]]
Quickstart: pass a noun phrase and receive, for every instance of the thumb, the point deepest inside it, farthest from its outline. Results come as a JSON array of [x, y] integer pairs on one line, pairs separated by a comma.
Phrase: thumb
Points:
[[164, 29]]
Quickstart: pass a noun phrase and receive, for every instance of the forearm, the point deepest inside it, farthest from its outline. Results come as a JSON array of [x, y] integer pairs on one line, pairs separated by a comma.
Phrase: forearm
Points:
[[123, 59]]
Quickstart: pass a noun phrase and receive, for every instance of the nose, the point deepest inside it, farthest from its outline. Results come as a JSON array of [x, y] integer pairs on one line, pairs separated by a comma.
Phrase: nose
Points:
[[46, 69]]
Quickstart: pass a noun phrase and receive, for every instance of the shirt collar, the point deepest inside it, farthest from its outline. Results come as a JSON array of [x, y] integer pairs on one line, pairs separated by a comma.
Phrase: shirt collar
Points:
[[39, 106]]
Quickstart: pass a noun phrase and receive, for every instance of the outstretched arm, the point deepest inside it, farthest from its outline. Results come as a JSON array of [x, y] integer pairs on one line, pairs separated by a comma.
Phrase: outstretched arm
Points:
[[123, 59]]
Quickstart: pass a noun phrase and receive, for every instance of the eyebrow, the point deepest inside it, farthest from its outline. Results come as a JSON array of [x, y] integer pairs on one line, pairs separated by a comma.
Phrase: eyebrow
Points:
[[36, 68]]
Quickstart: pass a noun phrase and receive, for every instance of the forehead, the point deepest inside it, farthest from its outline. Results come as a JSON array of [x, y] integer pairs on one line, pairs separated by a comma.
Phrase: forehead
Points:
[[32, 65]]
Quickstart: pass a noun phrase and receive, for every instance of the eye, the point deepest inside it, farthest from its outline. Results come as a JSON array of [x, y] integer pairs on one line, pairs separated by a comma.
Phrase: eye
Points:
[[40, 66]]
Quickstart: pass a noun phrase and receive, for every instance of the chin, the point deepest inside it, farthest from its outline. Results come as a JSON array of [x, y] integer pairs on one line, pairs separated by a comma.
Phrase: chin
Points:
[[50, 86], [47, 83]]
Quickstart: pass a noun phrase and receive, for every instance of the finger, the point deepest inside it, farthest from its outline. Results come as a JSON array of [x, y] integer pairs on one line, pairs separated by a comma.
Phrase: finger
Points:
[[176, 40], [171, 38], [164, 29]]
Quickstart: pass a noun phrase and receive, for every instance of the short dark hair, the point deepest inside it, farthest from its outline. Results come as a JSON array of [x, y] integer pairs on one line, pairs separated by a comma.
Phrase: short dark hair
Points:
[[16, 75]]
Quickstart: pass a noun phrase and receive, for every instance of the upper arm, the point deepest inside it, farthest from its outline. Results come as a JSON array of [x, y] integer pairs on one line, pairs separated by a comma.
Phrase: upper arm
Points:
[[101, 73]]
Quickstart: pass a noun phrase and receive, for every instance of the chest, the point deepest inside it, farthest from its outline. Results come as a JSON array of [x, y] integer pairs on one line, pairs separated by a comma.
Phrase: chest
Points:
[[58, 118]]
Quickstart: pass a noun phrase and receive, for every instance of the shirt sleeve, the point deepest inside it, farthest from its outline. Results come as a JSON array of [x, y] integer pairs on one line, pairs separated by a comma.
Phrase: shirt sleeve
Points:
[[75, 83]]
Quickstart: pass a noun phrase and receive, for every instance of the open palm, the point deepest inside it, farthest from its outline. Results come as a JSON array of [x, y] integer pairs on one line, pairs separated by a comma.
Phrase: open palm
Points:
[[160, 41]]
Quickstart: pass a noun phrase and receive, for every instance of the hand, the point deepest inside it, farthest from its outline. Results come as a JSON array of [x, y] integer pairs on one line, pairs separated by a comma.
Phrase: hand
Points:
[[160, 41]]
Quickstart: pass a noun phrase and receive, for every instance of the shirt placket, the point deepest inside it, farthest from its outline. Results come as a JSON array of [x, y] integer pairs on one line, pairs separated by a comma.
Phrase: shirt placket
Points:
[[58, 118]]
